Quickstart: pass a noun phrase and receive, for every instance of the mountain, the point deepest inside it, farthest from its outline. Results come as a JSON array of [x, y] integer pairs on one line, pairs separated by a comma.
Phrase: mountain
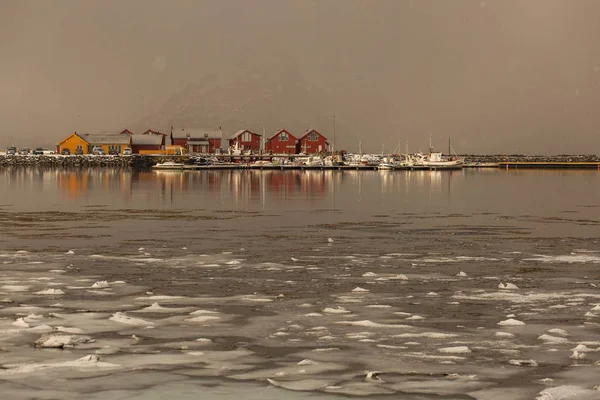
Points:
[[247, 98]]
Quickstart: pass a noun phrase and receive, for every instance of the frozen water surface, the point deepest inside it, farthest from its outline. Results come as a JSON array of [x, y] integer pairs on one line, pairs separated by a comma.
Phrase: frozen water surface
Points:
[[440, 291]]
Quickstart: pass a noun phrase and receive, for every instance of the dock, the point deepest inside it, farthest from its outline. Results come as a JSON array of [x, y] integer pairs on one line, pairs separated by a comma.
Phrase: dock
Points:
[[548, 165]]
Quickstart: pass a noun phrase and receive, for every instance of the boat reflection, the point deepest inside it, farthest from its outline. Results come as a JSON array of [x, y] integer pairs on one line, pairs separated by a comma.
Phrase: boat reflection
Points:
[[241, 187]]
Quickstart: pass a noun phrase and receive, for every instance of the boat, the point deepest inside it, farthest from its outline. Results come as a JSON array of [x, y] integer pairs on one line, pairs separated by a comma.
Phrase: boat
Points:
[[387, 164], [437, 162], [172, 165], [417, 161]]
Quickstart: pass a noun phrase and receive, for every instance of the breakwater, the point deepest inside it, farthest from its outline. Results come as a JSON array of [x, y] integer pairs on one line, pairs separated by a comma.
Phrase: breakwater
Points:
[[499, 158], [147, 161], [86, 161]]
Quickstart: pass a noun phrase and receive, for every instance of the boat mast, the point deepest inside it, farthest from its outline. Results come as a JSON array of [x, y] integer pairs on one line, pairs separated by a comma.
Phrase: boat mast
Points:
[[263, 139], [334, 134]]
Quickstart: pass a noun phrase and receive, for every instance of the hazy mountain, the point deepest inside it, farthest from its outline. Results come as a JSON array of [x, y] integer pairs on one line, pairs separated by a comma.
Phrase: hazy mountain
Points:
[[245, 98], [273, 96]]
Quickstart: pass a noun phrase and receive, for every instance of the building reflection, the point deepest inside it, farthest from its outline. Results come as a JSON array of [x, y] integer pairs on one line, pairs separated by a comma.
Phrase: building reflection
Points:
[[237, 188], [242, 186], [77, 183]]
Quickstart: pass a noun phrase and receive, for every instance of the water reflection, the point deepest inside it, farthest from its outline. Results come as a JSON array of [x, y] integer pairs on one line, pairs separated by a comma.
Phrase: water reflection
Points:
[[234, 188], [78, 183]]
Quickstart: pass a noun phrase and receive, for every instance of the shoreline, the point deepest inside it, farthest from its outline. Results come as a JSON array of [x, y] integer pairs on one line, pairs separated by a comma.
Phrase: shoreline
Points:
[[142, 162]]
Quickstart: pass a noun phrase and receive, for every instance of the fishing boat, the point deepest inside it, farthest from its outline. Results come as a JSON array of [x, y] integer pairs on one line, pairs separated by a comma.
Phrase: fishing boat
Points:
[[437, 161]]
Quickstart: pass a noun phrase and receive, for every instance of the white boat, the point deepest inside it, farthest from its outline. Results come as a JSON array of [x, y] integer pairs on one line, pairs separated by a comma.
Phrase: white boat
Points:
[[169, 165], [436, 162], [387, 164], [310, 161]]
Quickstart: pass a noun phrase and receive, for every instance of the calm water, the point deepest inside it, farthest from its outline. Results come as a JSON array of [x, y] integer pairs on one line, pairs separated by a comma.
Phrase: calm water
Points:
[[297, 283]]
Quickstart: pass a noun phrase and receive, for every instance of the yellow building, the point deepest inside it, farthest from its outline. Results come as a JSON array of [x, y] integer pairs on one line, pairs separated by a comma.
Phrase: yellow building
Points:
[[110, 143], [87, 143], [74, 143]]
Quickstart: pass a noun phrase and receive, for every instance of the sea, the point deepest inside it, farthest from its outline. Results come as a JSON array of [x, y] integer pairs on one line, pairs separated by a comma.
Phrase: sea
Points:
[[226, 284]]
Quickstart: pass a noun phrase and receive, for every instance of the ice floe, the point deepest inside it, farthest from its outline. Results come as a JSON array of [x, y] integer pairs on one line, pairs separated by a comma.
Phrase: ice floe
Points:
[[203, 318], [368, 323], [558, 331], [511, 322], [552, 339], [20, 322], [429, 335], [122, 318], [568, 392], [51, 292], [455, 350], [504, 335], [507, 286], [526, 363], [61, 341], [569, 259], [338, 310]]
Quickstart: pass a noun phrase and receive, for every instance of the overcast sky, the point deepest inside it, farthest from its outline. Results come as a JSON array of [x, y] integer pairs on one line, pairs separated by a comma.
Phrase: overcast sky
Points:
[[497, 75]]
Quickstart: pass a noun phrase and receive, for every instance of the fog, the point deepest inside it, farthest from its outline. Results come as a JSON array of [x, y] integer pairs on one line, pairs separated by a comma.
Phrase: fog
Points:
[[497, 76]]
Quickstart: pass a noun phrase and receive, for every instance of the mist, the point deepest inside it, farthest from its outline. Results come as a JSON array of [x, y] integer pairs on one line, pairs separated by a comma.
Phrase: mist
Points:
[[497, 76]]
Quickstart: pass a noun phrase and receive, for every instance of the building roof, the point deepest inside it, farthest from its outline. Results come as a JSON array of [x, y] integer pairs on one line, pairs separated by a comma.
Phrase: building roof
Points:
[[105, 138], [278, 132], [146, 140], [127, 131], [72, 134], [238, 133], [195, 133], [312, 130], [151, 132]]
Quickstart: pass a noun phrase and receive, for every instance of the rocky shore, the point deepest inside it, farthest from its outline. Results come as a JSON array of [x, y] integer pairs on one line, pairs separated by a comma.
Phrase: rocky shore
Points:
[[75, 161]]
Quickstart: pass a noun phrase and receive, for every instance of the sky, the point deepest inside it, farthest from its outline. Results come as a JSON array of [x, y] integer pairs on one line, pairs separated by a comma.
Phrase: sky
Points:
[[498, 76]]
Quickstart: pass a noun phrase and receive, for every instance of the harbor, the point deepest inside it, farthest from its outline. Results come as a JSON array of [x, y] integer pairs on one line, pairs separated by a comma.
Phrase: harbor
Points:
[[296, 162]]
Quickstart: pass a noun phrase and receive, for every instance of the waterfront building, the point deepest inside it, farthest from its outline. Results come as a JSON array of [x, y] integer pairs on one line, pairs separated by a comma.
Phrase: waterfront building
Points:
[[245, 140], [147, 143], [87, 143], [282, 142], [198, 140], [312, 142]]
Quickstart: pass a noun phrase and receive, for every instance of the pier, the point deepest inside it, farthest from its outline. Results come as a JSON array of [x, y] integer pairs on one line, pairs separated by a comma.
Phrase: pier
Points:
[[549, 165]]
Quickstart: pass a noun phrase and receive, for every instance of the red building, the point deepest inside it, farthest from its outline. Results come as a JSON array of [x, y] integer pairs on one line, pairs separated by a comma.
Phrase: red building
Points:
[[147, 143], [282, 142], [197, 140], [245, 140], [312, 142], [127, 131]]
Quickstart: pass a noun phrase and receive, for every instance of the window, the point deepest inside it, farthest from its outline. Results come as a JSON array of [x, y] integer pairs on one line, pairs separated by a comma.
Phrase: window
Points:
[[283, 137], [246, 137], [313, 137]]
